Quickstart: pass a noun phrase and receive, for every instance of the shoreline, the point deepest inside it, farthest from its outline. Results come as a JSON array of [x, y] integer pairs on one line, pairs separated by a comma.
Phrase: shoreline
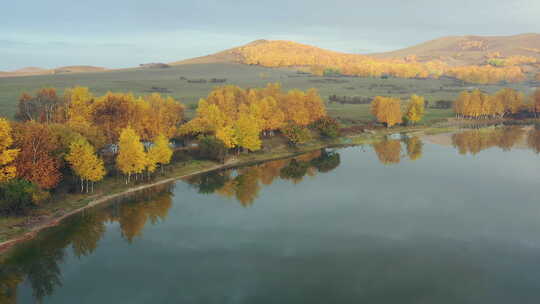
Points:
[[53, 220], [343, 141]]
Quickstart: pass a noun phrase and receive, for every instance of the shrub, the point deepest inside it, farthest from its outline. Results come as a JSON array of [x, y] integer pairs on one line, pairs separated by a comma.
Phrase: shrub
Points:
[[329, 72], [296, 134], [212, 148], [18, 196], [327, 126]]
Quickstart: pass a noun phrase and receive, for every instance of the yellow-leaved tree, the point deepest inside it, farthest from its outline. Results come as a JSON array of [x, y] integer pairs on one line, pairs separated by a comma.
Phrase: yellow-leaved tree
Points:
[[160, 152], [7, 156], [131, 156], [85, 163], [387, 110], [78, 108], [246, 132], [226, 135], [415, 111]]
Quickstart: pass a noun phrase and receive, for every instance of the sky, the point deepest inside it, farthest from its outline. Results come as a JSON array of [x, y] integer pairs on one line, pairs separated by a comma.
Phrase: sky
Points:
[[126, 33]]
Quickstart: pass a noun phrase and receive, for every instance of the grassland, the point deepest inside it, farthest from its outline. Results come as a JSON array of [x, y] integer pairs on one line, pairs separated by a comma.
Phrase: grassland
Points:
[[175, 82]]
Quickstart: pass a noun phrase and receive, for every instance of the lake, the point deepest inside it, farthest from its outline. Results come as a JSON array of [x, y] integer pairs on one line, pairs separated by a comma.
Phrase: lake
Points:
[[449, 218]]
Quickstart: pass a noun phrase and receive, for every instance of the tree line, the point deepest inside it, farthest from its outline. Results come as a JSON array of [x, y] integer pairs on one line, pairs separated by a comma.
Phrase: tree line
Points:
[[238, 118], [505, 103], [59, 138]]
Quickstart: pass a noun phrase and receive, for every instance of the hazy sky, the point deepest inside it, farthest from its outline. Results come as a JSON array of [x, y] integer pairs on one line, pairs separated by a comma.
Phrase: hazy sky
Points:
[[123, 33]]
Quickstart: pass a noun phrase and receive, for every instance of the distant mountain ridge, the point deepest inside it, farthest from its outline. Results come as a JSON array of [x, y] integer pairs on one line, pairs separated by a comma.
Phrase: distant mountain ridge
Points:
[[33, 71]]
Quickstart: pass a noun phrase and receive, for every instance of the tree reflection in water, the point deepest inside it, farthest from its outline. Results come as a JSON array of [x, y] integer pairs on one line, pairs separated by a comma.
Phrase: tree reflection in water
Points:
[[475, 141], [244, 184], [38, 261], [533, 139]]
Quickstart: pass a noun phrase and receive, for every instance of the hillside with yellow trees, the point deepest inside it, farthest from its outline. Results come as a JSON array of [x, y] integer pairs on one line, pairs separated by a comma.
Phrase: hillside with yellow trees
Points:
[[471, 59]]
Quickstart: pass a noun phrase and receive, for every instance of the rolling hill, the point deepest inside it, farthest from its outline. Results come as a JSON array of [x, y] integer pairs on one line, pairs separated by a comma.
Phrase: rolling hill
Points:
[[470, 50], [452, 50], [427, 60]]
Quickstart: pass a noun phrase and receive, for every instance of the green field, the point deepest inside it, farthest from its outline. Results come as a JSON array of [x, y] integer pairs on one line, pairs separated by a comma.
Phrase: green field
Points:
[[141, 81]]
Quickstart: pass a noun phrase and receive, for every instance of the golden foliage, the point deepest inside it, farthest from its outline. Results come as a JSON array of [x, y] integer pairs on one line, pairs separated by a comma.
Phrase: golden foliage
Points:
[[131, 156], [478, 105], [36, 161], [84, 162], [486, 74], [292, 54], [7, 155], [387, 110], [160, 153], [238, 117], [149, 116], [415, 110]]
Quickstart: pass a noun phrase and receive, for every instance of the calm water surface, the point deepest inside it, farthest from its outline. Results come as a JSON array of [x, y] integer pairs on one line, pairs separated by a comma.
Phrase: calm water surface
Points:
[[398, 222]]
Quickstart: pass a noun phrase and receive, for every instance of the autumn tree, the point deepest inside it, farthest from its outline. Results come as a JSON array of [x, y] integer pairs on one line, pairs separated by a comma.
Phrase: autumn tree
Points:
[[131, 156], [479, 105], [511, 100], [37, 161], [415, 110], [246, 133], [7, 155], [85, 163], [387, 110], [78, 106], [161, 152], [165, 115], [41, 108], [112, 113]]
